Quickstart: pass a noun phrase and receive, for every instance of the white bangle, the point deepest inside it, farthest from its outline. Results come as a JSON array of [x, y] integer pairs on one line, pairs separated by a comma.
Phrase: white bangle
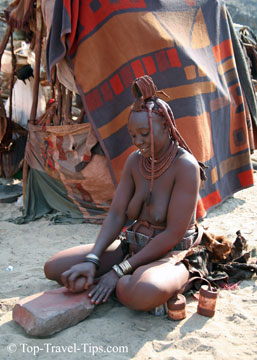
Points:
[[92, 256]]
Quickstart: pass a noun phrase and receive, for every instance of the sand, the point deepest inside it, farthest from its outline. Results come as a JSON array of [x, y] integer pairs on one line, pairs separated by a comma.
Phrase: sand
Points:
[[113, 331]]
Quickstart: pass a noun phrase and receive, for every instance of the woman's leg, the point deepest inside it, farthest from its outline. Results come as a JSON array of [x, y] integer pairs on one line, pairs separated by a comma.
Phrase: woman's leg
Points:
[[151, 285], [65, 259]]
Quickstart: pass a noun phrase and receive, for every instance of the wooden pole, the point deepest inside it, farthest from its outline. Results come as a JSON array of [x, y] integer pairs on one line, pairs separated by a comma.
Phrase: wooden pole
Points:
[[5, 42], [3, 117], [33, 113], [11, 80], [81, 116], [38, 47], [68, 107], [59, 101]]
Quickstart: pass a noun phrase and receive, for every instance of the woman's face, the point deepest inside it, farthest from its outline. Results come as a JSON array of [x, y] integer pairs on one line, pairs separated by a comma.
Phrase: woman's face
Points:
[[139, 130]]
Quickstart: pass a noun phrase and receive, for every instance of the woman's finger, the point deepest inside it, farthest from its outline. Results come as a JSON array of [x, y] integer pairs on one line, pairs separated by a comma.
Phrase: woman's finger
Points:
[[64, 277], [99, 296], [71, 279], [89, 281], [107, 295], [94, 290]]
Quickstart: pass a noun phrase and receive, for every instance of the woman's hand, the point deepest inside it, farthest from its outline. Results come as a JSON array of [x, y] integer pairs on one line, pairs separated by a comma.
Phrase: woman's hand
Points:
[[106, 285], [85, 269]]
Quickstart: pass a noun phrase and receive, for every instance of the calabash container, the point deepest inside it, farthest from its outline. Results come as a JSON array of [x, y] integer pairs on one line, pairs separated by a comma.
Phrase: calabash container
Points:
[[177, 307], [207, 301]]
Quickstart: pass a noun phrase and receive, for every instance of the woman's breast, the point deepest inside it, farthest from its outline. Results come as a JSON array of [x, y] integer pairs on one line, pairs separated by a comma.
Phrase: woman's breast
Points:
[[134, 207], [156, 212], [158, 208]]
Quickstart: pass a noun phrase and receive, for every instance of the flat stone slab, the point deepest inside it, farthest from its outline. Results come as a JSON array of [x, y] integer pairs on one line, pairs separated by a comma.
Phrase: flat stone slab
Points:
[[51, 311]]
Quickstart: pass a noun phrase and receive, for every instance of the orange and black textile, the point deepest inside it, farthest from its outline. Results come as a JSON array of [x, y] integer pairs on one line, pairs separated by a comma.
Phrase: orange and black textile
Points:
[[186, 48]]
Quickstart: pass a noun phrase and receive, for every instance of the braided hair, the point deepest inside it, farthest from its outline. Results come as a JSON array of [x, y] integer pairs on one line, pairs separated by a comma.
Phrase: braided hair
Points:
[[146, 94]]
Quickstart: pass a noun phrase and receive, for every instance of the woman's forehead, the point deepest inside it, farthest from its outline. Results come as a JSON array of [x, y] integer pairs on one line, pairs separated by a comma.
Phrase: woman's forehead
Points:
[[140, 118]]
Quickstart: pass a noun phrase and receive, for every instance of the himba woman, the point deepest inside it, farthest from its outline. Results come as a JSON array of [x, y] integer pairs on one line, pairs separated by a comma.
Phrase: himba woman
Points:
[[158, 191]]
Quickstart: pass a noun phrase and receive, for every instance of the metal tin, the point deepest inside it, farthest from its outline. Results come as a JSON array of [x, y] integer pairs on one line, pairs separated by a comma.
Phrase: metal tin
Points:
[[207, 301], [177, 307]]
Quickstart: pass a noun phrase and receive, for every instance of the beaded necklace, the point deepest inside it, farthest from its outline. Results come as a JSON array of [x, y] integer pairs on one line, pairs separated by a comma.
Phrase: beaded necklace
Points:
[[160, 165], [152, 168]]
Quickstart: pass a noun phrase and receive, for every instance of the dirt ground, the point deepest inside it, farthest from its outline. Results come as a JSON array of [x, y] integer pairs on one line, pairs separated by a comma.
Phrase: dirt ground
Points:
[[113, 331]]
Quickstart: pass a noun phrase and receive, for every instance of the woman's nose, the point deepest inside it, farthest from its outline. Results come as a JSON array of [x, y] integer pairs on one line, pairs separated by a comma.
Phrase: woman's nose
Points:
[[138, 141]]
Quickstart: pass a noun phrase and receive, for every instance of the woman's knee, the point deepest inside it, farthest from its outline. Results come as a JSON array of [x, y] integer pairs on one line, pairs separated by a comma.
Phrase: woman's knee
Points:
[[148, 287], [63, 261], [50, 271], [140, 295], [122, 288]]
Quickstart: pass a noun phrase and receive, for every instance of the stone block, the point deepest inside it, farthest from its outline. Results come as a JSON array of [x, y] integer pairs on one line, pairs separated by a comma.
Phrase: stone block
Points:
[[51, 311]]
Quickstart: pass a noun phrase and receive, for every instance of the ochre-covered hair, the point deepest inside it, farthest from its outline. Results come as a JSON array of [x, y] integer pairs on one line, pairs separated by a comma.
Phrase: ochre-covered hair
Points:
[[146, 94]]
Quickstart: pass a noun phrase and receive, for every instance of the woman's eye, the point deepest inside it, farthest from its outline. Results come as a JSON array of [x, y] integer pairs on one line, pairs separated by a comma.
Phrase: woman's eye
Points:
[[145, 134]]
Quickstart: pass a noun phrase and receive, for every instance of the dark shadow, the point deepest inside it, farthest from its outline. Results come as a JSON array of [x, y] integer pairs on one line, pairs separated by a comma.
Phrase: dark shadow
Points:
[[194, 322], [9, 193]]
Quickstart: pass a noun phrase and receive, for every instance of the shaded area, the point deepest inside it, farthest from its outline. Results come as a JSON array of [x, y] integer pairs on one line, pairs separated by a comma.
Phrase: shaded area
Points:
[[10, 192], [243, 12]]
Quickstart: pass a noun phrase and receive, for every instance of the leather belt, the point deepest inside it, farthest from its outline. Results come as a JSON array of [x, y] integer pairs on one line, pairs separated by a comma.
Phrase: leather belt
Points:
[[141, 240]]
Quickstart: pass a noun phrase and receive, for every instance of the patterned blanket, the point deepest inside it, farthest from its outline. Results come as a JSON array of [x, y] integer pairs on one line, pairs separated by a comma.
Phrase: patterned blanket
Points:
[[186, 47]]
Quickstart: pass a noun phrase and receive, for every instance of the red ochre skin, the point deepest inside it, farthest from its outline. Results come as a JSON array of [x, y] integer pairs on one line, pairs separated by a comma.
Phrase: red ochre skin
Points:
[[174, 197]]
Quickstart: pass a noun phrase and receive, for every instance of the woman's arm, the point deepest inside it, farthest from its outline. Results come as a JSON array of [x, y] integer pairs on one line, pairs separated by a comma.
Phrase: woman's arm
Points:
[[111, 228], [116, 217], [180, 211]]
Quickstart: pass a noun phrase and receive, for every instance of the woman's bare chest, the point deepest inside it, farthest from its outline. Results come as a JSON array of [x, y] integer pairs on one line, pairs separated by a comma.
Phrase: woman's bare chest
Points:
[[156, 212]]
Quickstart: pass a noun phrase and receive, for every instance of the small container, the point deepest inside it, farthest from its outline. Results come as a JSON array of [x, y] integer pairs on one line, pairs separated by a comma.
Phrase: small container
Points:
[[177, 307], [207, 301]]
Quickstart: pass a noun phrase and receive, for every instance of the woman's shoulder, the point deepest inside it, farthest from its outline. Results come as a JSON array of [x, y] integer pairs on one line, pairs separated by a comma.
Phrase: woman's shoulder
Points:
[[186, 161], [133, 158], [131, 162]]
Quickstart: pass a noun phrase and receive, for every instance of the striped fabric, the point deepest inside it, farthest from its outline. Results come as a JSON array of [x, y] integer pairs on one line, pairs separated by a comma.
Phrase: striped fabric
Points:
[[186, 47]]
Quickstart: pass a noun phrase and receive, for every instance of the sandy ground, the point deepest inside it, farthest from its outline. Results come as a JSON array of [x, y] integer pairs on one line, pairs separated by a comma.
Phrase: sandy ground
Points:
[[230, 334]]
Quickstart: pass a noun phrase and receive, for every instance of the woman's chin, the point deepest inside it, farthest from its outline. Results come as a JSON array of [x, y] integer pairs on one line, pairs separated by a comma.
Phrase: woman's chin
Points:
[[145, 153]]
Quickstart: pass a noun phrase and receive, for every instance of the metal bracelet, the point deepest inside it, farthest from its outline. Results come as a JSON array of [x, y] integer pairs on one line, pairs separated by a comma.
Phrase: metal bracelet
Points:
[[118, 270], [92, 256], [125, 267], [94, 261]]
